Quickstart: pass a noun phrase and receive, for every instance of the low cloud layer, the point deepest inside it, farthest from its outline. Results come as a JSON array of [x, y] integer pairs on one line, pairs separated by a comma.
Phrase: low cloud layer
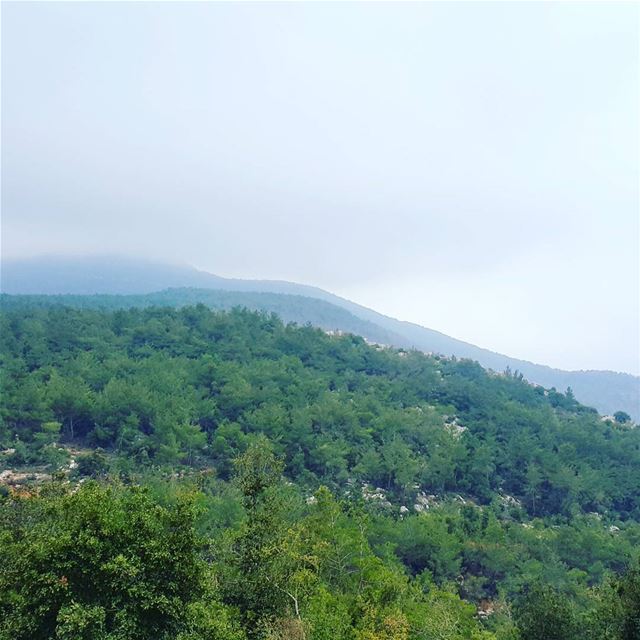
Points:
[[472, 167]]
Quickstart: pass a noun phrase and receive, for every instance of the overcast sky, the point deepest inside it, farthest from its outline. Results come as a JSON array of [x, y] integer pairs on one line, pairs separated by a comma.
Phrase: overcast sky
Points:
[[470, 167]]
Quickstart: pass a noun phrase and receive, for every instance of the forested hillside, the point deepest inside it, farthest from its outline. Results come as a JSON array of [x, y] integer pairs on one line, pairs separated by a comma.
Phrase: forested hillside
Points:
[[183, 473], [290, 308], [144, 283]]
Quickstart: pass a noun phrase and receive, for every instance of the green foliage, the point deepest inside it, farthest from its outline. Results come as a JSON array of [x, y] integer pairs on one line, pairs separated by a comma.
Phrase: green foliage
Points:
[[167, 387], [94, 464], [102, 562], [343, 490], [544, 613], [255, 558], [628, 592], [622, 417]]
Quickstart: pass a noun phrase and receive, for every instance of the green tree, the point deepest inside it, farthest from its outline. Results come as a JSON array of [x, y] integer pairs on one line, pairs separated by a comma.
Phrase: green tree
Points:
[[622, 417], [253, 565], [628, 590], [103, 562], [543, 613]]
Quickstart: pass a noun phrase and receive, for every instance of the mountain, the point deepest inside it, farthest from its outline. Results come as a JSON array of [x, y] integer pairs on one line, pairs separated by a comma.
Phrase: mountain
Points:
[[607, 391], [260, 475], [290, 308]]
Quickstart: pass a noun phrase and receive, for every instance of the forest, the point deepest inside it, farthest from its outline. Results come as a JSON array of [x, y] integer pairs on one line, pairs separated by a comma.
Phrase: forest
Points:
[[607, 391], [194, 474]]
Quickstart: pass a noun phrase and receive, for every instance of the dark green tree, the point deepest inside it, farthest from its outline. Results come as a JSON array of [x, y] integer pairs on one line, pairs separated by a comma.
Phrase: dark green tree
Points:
[[622, 417], [543, 613], [251, 574], [102, 563]]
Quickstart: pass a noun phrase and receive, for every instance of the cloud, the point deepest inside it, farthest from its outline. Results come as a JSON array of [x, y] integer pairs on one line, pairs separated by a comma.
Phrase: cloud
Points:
[[358, 147]]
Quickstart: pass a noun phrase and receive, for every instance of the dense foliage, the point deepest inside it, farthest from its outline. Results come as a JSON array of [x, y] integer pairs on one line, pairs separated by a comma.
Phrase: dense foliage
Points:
[[290, 308], [152, 284], [99, 563], [441, 482]]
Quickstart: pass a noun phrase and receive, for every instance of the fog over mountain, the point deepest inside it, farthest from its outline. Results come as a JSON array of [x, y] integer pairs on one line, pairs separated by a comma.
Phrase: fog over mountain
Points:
[[320, 320], [117, 280], [470, 167]]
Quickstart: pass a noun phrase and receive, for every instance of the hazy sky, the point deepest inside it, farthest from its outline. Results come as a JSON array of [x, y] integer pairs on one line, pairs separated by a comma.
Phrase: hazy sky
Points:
[[470, 167]]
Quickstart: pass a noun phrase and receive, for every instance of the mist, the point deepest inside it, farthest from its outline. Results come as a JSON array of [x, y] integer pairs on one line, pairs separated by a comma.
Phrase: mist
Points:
[[471, 167]]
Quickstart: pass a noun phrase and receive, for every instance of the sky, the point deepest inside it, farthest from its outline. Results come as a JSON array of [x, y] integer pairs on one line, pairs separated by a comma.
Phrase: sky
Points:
[[471, 167]]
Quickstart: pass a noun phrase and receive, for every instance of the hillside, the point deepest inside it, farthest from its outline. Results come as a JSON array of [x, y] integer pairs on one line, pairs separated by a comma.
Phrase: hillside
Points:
[[445, 484], [607, 391], [288, 381], [290, 308]]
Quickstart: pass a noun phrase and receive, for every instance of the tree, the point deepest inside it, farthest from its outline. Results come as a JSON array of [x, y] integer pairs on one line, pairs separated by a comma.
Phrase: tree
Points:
[[252, 568], [543, 613], [101, 563], [621, 417], [71, 401], [628, 589]]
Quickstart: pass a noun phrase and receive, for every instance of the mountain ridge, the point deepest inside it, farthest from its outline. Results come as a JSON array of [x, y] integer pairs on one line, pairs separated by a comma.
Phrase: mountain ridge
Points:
[[608, 391]]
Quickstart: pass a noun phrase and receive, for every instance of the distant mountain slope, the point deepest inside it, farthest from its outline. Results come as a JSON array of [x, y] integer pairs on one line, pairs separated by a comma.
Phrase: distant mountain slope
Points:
[[290, 308], [606, 390]]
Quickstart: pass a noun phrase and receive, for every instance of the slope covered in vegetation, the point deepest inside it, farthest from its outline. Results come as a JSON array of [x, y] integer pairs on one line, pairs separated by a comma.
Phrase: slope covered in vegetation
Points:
[[146, 283], [290, 308], [456, 502]]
